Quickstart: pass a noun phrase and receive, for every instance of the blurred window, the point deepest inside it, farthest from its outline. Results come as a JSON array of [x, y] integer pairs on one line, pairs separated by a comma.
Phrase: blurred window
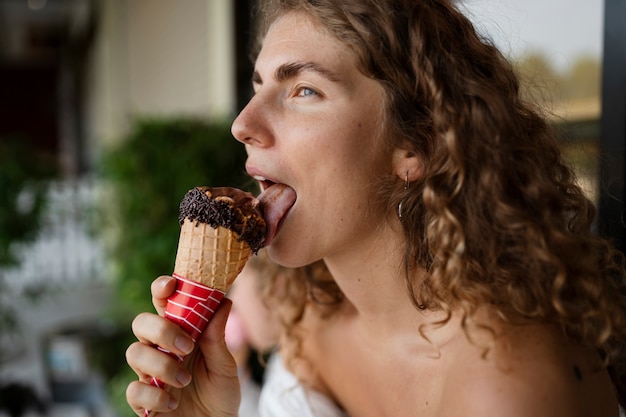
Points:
[[557, 48]]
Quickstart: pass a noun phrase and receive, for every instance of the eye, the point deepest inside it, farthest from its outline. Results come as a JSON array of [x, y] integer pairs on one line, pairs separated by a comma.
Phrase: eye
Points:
[[305, 92]]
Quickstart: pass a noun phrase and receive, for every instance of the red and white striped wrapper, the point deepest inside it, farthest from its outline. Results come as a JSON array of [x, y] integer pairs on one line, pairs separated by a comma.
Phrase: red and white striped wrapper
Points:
[[191, 307]]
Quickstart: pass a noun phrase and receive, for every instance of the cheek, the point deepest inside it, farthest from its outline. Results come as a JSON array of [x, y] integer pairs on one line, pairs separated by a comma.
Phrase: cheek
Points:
[[364, 148]]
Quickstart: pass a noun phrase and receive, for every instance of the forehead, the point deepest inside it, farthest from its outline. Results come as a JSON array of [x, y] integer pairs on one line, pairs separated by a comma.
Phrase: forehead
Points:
[[296, 36]]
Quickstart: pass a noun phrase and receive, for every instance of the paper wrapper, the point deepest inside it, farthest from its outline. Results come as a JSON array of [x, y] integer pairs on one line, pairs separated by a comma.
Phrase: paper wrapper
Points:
[[191, 307], [207, 262]]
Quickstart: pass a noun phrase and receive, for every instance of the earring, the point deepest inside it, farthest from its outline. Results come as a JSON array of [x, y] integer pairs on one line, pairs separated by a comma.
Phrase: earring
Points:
[[406, 187]]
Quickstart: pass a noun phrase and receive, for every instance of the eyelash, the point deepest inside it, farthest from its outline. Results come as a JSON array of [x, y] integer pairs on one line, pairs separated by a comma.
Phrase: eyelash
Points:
[[297, 91], [300, 90]]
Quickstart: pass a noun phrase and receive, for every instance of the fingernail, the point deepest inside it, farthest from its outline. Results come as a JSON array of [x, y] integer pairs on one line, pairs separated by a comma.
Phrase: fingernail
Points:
[[184, 344], [183, 377], [165, 281], [172, 404]]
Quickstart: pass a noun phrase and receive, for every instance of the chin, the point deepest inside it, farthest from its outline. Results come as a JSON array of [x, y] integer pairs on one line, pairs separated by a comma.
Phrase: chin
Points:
[[283, 255]]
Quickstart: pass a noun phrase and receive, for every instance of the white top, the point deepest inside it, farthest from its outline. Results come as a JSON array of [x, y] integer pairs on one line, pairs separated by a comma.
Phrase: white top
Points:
[[283, 395]]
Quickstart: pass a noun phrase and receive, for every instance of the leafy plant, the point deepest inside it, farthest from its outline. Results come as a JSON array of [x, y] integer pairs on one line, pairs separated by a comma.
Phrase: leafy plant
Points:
[[24, 176], [22, 195]]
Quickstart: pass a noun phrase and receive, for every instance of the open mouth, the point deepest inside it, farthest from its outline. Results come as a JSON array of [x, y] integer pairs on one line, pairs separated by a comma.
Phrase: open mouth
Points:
[[263, 183], [276, 200]]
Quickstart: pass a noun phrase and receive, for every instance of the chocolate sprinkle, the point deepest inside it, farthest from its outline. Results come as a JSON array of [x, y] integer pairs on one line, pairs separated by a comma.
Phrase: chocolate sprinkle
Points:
[[239, 214]]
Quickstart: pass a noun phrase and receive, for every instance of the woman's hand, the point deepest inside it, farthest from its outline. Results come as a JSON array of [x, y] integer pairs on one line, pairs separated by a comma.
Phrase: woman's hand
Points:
[[209, 389]]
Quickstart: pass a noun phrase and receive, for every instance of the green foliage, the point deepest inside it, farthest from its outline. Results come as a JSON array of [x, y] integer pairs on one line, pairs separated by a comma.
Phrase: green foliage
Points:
[[22, 195], [24, 176], [542, 83], [583, 78], [116, 388], [156, 164]]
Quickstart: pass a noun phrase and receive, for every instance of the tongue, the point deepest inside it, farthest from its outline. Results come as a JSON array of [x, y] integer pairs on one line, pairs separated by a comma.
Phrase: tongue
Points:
[[275, 202]]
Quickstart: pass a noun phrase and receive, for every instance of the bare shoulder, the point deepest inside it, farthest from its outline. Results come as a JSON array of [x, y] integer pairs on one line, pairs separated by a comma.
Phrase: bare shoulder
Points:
[[530, 371]]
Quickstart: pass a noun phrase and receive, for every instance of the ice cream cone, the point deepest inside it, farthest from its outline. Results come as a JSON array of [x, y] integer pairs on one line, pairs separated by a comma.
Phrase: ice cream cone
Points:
[[207, 262], [211, 256]]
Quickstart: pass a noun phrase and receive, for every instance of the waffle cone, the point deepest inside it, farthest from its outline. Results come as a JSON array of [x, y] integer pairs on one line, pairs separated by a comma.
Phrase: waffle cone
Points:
[[212, 256]]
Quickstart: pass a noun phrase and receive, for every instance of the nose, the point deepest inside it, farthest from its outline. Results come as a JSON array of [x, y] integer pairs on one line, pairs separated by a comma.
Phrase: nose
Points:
[[251, 126]]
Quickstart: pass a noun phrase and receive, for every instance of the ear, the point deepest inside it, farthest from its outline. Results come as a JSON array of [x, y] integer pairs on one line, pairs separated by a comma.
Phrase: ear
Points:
[[407, 165]]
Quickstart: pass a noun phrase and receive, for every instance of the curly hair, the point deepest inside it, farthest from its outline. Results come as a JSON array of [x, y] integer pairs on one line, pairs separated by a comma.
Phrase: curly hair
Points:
[[497, 218]]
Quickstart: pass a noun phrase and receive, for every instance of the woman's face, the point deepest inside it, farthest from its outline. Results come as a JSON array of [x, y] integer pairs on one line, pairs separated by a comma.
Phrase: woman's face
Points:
[[315, 124]]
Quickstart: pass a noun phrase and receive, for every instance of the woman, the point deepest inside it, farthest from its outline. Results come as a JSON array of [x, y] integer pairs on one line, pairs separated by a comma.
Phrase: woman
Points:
[[392, 143]]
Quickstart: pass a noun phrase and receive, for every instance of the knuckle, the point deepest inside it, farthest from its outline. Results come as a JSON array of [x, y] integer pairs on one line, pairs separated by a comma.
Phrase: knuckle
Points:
[[132, 393], [150, 327], [169, 367], [143, 317], [137, 322], [161, 400], [131, 351], [141, 396]]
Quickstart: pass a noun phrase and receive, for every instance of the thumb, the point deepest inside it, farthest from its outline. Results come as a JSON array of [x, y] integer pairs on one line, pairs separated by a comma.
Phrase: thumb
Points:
[[212, 343], [215, 369]]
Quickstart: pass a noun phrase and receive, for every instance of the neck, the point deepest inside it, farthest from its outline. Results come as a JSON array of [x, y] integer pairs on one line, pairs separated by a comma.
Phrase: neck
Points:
[[372, 276]]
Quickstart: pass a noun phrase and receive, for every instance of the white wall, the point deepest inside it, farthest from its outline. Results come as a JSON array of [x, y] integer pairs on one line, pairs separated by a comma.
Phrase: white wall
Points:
[[160, 57]]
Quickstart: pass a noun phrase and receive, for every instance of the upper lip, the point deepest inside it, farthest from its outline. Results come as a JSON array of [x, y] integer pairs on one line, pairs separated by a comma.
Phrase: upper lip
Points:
[[264, 179]]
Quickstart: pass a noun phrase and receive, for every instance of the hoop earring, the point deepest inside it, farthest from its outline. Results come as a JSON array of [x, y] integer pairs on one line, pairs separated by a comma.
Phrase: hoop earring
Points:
[[406, 187]]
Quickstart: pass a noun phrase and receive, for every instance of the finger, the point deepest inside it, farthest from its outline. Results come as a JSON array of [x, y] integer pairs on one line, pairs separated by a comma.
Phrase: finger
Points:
[[142, 397], [212, 343], [147, 361], [151, 329], [161, 288]]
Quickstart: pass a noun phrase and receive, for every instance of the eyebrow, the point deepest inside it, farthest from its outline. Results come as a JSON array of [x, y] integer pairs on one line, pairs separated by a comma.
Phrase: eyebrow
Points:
[[292, 69]]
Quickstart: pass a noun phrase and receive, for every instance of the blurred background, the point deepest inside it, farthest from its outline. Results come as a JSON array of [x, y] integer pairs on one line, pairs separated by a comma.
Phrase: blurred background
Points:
[[110, 110]]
